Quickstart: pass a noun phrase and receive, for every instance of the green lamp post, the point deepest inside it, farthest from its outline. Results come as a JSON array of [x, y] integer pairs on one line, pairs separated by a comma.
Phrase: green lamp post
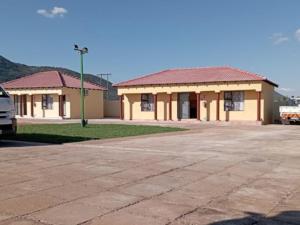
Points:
[[81, 52]]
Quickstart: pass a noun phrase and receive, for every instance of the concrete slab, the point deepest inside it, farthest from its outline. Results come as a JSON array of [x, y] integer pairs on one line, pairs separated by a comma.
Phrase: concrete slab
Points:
[[67, 214], [214, 175]]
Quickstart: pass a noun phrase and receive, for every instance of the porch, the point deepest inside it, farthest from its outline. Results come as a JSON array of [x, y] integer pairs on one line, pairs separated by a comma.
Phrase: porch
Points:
[[223, 105], [42, 106]]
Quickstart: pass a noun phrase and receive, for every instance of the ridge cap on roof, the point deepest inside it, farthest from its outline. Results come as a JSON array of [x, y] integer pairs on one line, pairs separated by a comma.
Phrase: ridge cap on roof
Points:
[[62, 80], [85, 81], [196, 68]]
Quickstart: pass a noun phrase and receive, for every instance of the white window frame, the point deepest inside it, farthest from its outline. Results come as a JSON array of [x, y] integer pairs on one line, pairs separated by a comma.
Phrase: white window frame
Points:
[[147, 103], [234, 101], [47, 101]]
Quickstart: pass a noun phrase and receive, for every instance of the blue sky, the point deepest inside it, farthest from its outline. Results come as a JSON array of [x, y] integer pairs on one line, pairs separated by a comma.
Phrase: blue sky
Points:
[[134, 37]]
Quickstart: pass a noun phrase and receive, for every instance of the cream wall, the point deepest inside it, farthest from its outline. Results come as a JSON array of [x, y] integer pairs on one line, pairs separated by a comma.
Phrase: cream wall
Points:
[[37, 107], [248, 114], [132, 97], [93, 103], [43, 113], [209, 113], [111, 108], [172, 88], [268, 103]]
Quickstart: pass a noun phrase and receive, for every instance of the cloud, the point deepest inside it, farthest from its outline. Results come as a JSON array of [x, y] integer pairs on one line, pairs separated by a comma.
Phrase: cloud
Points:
[[279, 38], [286, 89], [297, 34], [55, 12]]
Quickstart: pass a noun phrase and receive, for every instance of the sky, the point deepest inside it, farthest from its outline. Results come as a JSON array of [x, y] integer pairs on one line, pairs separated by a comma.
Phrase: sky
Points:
[[129, 38]]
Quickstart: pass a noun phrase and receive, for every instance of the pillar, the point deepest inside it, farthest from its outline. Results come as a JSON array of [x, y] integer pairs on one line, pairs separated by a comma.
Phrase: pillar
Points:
[[155, 106], [61, 105], [32, 105], [170, 106], [121, 107], [218, 106], [198, 106], [258, 106], [21, 105]]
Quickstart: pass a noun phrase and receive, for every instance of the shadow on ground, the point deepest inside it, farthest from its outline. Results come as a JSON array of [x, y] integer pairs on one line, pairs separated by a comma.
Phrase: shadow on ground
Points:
[[18, 144], [283, 218], [45, 138]]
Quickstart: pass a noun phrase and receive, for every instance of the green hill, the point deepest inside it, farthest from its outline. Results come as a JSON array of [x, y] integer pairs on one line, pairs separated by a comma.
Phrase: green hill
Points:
[[11, 70]]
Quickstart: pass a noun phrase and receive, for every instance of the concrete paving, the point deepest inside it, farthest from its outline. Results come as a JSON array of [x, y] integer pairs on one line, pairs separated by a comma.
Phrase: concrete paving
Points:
[[217, 175]]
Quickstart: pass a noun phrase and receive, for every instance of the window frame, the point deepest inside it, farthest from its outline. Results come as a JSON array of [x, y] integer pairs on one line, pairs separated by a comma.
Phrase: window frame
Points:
[[229, 101], [147, 102], [47, 102], [4, 94]]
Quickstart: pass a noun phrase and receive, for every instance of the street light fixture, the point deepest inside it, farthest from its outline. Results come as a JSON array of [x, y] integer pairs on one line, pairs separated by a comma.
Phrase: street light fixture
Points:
[[81, 52]]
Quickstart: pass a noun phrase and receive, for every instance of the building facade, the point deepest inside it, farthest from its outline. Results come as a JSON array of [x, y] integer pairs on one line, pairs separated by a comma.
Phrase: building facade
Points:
[[54, 95], [204, 94]]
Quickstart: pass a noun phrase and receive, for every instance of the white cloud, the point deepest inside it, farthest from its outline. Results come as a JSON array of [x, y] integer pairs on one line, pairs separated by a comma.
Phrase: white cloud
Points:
[[286, 89], [279, 38], [56, 11], [297, 34]]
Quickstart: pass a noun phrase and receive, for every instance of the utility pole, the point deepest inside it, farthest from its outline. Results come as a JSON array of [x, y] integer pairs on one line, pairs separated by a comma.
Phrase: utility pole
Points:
[[101, 75], [81, 52]]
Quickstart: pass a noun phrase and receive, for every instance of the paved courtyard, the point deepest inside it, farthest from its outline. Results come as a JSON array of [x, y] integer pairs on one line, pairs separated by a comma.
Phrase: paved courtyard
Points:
[[217, 175]]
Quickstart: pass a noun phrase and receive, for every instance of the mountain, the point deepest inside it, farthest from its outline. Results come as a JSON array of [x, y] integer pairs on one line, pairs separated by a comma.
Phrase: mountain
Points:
[[11, 70]]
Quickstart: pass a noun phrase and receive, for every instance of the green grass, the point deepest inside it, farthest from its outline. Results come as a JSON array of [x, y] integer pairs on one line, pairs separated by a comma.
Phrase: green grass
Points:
[[63, 133]]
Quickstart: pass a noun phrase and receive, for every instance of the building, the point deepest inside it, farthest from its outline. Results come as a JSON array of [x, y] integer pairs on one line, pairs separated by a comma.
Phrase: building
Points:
[[206, 94], [296, 100], [54, 95]]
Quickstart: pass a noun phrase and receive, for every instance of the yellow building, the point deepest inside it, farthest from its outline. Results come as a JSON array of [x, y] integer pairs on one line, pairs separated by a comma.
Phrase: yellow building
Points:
[[54, 95], [205, 94]]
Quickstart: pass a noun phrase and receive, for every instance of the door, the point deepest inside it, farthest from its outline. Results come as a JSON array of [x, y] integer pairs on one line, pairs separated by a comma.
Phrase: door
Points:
[[184, 106]]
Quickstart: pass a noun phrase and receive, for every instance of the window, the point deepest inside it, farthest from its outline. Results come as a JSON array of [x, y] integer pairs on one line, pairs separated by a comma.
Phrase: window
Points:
[[3, 94], [233, 101], [147, 102], [47, 102]]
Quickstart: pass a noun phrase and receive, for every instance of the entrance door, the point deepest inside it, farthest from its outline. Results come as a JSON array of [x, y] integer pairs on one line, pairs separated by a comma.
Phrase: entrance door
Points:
[[184, 106]]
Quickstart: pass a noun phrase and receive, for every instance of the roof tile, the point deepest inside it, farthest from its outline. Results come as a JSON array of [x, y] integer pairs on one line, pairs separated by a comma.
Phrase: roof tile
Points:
[[49, 79], [195, 75]]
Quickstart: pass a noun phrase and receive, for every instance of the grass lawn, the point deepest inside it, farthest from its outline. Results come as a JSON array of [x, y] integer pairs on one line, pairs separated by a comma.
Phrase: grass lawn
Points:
[[63, 133]]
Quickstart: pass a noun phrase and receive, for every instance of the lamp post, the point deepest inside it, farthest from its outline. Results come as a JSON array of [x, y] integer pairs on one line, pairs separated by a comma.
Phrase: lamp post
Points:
[[81, 52]]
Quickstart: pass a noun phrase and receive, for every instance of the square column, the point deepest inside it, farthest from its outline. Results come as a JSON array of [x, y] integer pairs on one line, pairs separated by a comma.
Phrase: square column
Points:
[[61, 105], [170, 106], [21, 105], [121, 107], [259, 106], [32, 105], [155, 106], [198, 106], [218, 106]]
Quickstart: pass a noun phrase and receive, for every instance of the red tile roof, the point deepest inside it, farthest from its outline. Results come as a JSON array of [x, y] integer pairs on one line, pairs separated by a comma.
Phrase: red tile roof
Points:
[[195, 75], [49, 79]]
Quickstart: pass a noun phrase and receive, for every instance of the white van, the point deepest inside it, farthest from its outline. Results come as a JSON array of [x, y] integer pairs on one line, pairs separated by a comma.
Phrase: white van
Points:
[[8, 124]]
